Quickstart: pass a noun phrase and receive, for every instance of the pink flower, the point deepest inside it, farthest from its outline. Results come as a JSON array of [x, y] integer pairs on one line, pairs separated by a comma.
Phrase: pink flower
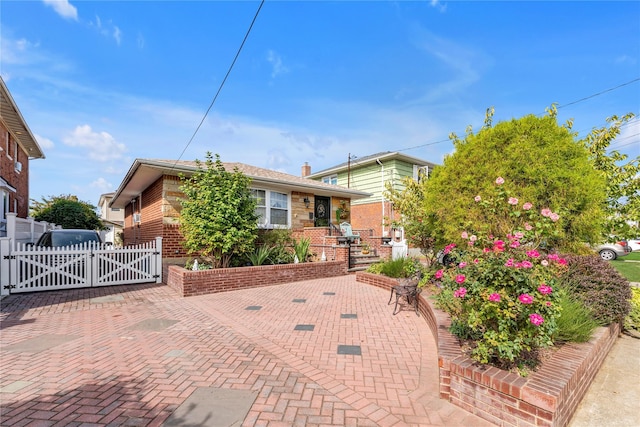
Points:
[[464, 235], [485, 250], [473, 237], [548, 303], [499, 180], [460, 293], [554, 217], [545, 212], [460, 278], [475, 261], [553, 257], [513, 201], [519, 235], [462, 264], [498, 246], [477, 198], [439, 274], [533, 254], [545, 289], [528, 226], [527, 206], [448, 248], [526, 264], [544, 262], [494, 297], [514, 244], [509, 263], [536, 319], [562, 261], [526, 299]]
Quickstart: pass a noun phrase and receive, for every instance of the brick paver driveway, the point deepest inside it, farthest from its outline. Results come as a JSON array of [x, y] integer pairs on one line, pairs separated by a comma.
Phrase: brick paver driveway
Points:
[[319, 352]]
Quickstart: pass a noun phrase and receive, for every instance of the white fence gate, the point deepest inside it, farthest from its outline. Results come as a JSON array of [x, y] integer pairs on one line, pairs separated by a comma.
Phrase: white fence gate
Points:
[[28, 269]]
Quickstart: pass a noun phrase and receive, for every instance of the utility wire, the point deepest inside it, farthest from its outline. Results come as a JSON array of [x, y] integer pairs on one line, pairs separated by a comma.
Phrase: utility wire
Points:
[[246, 36], [559, 107]]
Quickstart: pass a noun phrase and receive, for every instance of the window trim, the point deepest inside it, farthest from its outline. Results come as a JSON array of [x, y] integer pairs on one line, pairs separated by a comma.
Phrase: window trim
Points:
[[266, 224], [329, 179]]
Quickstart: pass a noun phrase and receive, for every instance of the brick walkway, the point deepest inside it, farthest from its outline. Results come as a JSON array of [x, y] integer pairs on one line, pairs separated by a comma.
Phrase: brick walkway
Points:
[[131, 355]]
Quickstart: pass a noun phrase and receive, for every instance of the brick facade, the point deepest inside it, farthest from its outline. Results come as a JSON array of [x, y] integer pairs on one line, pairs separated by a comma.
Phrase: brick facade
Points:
[[547, 397], [18, 201]]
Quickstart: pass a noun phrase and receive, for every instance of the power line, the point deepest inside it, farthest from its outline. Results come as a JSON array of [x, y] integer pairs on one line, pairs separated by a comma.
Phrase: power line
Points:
[[599, 93], [246, 36], [558, 107]]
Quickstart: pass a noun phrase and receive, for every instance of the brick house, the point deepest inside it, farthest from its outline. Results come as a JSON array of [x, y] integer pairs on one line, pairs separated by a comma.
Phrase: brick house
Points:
[[150, 197], [370, 174], [17, 147]]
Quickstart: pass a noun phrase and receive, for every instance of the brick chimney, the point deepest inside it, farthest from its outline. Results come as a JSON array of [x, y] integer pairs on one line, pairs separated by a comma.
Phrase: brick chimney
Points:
[[306, 169]]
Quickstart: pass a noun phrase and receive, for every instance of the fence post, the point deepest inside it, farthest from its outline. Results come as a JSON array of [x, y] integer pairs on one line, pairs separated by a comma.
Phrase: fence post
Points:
[[158, 259], [5, 250], [11, 225]]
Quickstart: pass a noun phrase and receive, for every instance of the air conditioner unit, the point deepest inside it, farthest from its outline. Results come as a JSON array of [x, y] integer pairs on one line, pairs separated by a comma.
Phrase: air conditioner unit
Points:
[[136, 218], [18, 166]]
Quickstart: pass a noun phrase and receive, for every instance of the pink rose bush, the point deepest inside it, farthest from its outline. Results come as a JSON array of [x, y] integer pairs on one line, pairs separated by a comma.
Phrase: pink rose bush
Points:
[[507, 307]]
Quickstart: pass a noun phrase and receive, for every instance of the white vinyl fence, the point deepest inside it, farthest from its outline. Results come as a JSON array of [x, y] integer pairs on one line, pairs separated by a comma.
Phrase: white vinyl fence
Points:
[[25, 268], [24, 230]]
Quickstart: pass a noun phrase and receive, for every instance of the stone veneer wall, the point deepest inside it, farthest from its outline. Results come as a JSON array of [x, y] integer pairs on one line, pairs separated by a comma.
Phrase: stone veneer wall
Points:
[[547, 397], [188, 283]]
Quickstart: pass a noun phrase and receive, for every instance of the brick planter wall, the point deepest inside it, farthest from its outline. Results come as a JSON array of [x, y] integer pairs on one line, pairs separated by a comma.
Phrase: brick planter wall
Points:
[[188, 283], [547, 397]]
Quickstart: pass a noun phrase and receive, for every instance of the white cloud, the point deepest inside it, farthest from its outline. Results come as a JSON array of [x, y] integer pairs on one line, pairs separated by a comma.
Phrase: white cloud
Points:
[[63, 8], [438, 5], [101, 146], [277, 67], [107, 29], [44, 143], [102, 185], [117, 34]]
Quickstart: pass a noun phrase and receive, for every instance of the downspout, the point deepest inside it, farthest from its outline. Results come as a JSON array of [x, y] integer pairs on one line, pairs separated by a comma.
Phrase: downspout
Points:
[[382, 192]]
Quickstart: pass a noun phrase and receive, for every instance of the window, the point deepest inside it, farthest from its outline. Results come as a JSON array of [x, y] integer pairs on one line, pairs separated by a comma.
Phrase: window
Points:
[[331, 179], [261, 205], [420, 173], [272, 208], [9, 146]]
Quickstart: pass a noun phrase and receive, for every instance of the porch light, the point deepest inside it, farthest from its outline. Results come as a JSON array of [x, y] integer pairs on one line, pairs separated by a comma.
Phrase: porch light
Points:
[[306, 202]]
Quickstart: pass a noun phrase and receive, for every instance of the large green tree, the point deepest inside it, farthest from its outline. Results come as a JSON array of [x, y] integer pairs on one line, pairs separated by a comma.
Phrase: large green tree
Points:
[[541, 163], [622, 177], [218, 217], [66, 211]]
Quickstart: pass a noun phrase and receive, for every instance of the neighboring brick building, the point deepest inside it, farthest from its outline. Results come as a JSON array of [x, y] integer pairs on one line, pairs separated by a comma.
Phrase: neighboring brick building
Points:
[[371, 174], [150, 197], [17, 147]]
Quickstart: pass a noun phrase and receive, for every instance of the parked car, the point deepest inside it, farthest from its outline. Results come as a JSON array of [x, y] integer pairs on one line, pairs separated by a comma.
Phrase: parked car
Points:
[[611, 251], [67, 237], [634, 244]]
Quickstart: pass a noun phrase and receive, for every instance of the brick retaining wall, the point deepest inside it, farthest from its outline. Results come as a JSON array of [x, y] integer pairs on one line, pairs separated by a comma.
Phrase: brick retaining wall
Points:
[[547, 397], [188, 283]]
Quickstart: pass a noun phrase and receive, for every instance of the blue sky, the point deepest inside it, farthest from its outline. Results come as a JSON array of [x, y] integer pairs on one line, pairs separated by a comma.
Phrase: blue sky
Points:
[[101, 83]]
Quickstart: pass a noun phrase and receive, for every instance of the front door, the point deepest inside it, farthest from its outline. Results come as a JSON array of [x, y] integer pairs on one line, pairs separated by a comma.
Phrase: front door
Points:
[[322, 211]]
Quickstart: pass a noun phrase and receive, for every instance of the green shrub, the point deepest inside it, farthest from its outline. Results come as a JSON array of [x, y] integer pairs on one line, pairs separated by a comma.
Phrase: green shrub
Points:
[[575, 323], [397, 268], [281, 242], [301, 249], [632, 321], [260, 255], [598, 286]]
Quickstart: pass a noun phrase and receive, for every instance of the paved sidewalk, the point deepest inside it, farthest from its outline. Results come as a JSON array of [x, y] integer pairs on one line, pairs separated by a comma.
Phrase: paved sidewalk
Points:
[[314, 353]]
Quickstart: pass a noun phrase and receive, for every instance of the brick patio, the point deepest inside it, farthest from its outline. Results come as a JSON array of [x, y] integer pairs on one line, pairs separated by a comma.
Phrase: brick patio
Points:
[[318, 352]]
